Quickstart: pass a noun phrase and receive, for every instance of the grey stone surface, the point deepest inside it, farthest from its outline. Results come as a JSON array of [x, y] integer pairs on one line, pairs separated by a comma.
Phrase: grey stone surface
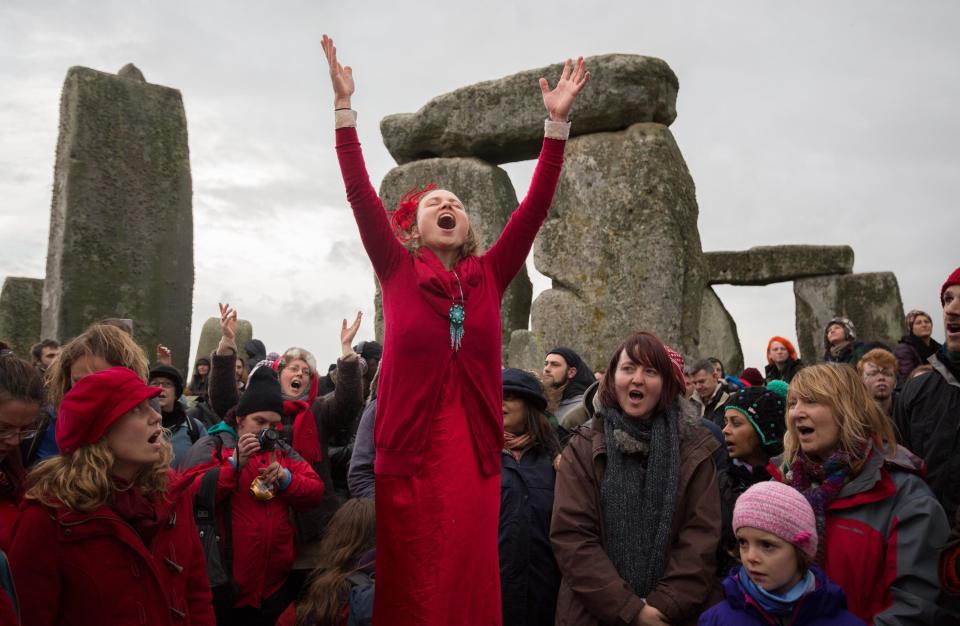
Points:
[[210, 337], [121, 224], [502, 120], [525, 351], [489, 198], [764, 265], [718, 333], [131, 72], [621, 245], [20, 313], [871, 301]]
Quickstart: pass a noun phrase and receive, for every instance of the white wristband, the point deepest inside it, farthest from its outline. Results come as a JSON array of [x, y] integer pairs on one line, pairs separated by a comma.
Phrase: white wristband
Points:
[[345, 118], [556, 130]]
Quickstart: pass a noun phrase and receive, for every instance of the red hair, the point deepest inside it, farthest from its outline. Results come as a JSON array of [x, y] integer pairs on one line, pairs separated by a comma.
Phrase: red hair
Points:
[[791, 351], [404, 216], [647, 350]]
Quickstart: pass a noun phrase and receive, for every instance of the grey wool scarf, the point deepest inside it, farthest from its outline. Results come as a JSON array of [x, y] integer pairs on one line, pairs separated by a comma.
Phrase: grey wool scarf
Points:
[[639, 493]]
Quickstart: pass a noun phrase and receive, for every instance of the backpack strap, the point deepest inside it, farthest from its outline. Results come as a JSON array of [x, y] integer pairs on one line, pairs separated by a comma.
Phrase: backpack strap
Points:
[[193, 429]]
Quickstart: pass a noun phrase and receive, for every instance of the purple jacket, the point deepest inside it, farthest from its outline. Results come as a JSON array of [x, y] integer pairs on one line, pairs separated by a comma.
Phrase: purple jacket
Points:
[[824, 606]]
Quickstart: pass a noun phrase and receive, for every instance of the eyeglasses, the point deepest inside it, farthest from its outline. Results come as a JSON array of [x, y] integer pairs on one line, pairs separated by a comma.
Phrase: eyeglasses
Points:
[[7, 432], [166, 384]]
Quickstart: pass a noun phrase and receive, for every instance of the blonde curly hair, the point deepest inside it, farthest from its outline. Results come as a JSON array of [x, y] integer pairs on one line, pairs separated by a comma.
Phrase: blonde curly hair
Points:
[[106, 341], [81, 481]]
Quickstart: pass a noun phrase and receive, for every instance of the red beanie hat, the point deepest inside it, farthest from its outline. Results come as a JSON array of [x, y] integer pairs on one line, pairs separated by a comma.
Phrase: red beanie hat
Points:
[[954, 279], [97, 401]]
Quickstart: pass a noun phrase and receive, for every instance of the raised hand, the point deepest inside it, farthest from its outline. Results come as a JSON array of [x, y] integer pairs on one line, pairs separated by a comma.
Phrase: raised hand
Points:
[[349, 333], [560, 99], [228, 322], [340, 76], [164, 356]]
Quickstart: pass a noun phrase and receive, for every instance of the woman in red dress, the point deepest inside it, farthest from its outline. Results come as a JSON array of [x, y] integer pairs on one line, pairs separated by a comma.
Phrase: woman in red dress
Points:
[[439, 424]]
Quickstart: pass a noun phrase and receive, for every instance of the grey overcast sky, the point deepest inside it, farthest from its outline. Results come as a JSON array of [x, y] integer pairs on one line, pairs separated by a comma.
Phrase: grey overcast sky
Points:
[[801, 122]]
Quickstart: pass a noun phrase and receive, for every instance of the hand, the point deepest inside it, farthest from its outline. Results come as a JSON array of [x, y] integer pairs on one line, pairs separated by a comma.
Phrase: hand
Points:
[[560, 100], [164, 356], [228, 322], [272, 473], [340, 76], [348, 334], [650, 616], [247, 446]]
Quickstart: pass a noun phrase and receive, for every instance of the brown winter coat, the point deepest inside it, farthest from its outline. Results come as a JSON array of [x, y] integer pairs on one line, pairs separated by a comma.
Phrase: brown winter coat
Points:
[[592, 592]]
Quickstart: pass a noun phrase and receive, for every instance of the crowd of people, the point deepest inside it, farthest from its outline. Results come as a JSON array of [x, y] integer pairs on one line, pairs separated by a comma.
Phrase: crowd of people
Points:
[[418, 481]]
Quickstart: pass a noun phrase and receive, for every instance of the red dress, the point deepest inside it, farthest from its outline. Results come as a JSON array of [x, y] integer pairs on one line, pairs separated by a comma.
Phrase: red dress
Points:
[[439, 424]]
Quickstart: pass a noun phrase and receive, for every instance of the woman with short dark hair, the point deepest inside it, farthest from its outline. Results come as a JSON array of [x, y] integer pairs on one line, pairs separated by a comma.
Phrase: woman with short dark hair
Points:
[[636, 520]]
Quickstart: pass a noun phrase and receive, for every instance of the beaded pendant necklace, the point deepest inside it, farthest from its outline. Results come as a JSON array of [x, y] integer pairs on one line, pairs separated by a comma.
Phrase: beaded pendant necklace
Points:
[[457, 317]]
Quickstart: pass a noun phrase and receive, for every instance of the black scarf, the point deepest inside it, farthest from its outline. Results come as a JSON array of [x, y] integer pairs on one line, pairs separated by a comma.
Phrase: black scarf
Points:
[[950, 360], [639, 493], [173, 419]]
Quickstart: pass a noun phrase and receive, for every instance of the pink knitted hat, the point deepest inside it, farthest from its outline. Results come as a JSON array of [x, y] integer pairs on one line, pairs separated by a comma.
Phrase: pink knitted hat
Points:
[[779, 510]]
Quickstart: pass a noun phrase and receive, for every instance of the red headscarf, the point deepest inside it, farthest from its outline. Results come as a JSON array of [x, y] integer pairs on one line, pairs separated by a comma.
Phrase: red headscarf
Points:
[[402, 219]]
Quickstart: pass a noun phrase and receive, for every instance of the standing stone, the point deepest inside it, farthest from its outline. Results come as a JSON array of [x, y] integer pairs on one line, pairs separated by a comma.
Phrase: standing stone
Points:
[[121, 223], [718, 333], [525, 351], [621, 245], [871, 301], [210, 337], [489, 198], [502, 120], [20, 313]]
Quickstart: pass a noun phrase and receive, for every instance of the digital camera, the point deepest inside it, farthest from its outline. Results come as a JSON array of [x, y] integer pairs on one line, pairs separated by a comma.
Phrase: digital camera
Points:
[[268, 438]]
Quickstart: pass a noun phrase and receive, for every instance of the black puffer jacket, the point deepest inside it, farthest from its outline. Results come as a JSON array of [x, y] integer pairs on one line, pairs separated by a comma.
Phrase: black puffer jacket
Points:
[[927, 414]]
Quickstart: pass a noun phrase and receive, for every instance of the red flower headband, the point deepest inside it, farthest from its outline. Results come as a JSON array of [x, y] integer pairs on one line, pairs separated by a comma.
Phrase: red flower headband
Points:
[[402, 218]]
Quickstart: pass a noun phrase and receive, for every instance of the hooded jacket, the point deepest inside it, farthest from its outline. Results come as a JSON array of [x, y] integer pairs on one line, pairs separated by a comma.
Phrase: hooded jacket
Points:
[[94, 569], [826, 605], [883, 537], [591, 591], [927, 415]]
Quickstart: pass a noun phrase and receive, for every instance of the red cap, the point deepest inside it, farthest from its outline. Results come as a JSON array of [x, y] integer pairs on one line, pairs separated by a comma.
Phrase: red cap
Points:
[[954, 279], [97, 401]]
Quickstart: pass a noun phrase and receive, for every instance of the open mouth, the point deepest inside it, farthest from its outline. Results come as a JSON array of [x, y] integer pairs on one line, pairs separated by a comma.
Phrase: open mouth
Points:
[[447, 221], [953, 327], [155, 437], [636, 396], [296, 385], [805, 430]]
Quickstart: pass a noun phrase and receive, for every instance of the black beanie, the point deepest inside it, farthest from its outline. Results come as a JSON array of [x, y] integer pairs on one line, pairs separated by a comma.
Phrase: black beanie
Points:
[[525, 385], [766, 412], [262, 393], [170, 373]]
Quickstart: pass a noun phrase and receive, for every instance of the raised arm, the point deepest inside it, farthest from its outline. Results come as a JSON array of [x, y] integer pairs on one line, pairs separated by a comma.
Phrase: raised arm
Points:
[[382, 247], [510, 251]]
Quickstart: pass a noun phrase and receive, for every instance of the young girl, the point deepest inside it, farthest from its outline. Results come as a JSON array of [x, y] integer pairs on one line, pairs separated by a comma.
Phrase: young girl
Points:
[[341, 589], [21, 395], [777, 582], [439, 429]]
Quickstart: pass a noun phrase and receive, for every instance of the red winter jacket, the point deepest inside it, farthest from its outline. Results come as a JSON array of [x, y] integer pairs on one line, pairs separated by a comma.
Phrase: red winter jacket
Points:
[[883, 537], [92, 569], [262, 530], [417, 294]]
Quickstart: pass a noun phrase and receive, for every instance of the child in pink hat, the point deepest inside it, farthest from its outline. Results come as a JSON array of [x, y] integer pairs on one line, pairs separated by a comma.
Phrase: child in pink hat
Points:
[[777, 582]]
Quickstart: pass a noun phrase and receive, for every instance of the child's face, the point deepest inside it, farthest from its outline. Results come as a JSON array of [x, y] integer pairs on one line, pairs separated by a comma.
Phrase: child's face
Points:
[[771, 562], [741, 438]]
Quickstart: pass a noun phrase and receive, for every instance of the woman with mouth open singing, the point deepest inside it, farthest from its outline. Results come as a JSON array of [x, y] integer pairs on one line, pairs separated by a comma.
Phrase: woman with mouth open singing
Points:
[[439, 428], [880, 527]]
